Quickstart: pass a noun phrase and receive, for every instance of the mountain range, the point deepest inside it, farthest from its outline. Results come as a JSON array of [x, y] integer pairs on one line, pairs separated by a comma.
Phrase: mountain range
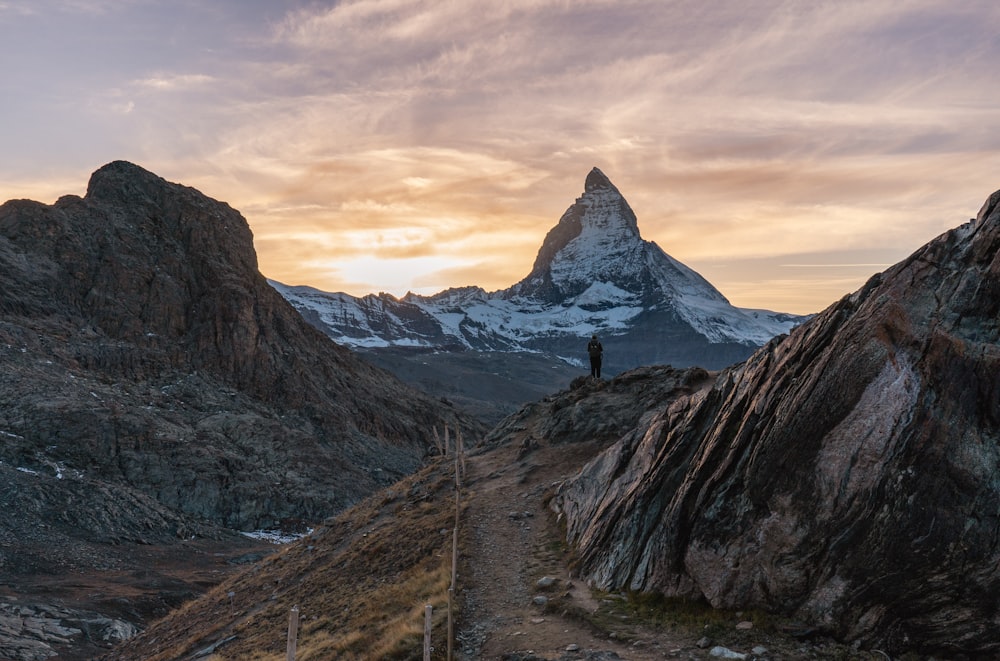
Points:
[[594, 274]]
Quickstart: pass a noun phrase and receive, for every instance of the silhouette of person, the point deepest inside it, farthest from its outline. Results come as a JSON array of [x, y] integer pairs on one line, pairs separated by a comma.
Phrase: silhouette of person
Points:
[[595, 350]]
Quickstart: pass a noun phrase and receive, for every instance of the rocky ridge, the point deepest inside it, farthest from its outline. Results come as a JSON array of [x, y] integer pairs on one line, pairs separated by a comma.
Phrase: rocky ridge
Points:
[[847, 475], [155, 390]]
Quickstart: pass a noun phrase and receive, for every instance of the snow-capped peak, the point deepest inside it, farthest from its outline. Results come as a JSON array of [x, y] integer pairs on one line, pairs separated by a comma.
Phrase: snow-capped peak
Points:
[[596, 240], [594, 273]]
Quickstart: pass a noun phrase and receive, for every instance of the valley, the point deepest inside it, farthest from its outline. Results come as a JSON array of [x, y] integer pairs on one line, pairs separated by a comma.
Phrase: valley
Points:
[[361, 580]]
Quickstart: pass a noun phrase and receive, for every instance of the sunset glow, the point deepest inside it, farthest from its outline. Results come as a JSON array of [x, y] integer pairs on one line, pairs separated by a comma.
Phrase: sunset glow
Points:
[[786, 151]]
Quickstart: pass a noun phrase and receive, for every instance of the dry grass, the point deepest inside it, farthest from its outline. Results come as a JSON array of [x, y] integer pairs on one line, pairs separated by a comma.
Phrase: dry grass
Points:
[[360, 582], [391, 619]]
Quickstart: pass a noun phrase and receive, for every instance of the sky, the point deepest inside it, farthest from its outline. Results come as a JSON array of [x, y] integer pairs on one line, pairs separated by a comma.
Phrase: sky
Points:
[[785, 150]]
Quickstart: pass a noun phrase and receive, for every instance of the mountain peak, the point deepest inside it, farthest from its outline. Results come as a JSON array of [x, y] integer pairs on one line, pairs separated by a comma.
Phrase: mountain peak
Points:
[[119, 179], [596, 240], [598, 180]]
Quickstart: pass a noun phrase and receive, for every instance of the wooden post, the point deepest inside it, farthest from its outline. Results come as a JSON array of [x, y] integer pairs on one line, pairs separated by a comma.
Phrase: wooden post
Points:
[[454, 557], [458, 494], [460, 442], [293, 633], [451, 625], [451, 590], [428, 610]]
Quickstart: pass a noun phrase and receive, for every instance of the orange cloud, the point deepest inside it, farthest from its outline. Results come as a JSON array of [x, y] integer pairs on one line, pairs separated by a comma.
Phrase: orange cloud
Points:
[[408, 144]]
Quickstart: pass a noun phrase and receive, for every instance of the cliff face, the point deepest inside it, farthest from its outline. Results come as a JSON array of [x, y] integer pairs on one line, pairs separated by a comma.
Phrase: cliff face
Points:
[[141, 345], [847, 474]]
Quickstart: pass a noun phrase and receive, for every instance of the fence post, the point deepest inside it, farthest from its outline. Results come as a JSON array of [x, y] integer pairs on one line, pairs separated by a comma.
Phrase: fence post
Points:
[[451, 626], [293, 633], [460, 442], [428, 611], [458, 480], [459, 469], [451, 590]]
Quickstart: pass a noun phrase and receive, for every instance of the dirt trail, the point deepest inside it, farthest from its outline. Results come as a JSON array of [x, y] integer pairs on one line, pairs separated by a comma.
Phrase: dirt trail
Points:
[[511, 542]]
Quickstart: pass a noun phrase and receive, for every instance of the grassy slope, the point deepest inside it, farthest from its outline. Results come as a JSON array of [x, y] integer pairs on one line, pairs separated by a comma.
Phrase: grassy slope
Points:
[[360, 583]]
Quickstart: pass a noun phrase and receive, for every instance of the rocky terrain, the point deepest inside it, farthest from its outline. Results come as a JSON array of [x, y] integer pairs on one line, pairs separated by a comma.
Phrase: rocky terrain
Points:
[[836, 495], [847, 475], [361, 580], [157, 395]]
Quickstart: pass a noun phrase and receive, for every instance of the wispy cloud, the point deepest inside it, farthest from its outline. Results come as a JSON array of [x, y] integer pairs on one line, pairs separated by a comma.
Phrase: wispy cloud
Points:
[[439, 141], [175, 81]]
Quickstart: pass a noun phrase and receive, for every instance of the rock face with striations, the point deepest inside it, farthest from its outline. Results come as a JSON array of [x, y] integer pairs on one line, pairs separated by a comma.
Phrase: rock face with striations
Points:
[[847, 475]]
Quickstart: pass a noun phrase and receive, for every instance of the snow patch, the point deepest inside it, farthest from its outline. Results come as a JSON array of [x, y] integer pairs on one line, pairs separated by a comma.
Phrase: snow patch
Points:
[[276, 536]]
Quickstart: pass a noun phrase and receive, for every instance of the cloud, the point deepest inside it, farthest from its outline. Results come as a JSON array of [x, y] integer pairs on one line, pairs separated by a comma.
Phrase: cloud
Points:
[[443, 139], [123, 108], [171, 81], [38, 7]]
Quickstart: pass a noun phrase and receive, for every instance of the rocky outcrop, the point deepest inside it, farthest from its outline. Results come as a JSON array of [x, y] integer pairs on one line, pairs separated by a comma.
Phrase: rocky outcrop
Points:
[[592, 410], [141, 343], [847, 475], [154, 390], [34, 633]]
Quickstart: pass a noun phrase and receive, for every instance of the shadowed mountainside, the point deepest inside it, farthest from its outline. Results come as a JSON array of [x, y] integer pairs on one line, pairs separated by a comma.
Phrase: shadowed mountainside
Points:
[[361, 580], [154, 387]]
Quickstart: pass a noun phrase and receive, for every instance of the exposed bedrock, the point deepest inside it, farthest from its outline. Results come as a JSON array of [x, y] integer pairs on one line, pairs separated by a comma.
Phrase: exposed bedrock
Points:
[[845, 475]]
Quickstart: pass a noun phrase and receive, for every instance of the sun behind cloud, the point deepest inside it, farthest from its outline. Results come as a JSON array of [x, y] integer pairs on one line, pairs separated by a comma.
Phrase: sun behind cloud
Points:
[[387, 145]]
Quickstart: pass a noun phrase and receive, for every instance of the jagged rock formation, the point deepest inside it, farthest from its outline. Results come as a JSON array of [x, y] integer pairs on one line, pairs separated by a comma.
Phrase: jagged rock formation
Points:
[[145, 291], [593, 274], [847, 475], [154, 386], [597, 411]]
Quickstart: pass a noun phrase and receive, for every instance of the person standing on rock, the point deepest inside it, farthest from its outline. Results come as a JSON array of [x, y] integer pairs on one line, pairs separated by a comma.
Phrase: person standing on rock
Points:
[[596, 351]]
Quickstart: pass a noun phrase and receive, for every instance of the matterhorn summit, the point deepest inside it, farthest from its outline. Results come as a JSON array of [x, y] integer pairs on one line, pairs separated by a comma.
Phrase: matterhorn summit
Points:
[[594, 274], [596, 241], [596, 256]]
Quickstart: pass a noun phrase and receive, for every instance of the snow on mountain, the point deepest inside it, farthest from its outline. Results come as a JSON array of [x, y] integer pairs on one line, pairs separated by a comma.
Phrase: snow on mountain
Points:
[[594, 274]]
